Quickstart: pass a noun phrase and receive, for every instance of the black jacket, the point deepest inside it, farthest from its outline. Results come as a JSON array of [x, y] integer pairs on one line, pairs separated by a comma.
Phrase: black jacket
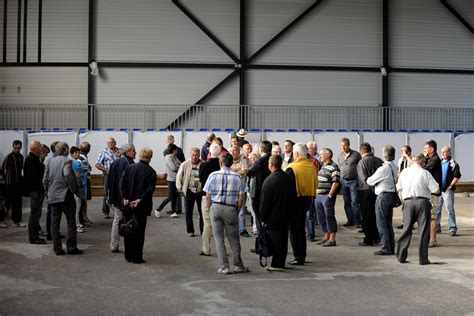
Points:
[[207, 168], [115, 173], [33, 172], [452, 172], [260, 171], [433, 165], [138, 182]]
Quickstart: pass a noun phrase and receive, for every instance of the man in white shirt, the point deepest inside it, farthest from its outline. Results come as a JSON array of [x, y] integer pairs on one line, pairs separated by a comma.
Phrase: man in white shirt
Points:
[[416, 185]]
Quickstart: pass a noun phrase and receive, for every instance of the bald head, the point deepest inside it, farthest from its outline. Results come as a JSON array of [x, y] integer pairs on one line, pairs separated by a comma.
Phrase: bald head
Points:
[[111, 143], [36, 148]]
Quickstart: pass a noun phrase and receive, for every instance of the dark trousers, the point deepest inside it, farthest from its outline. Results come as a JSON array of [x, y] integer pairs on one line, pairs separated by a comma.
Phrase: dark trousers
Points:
[[297, 227], [134, 244], [415, 210], [189, 201], [68, 207], [279, 240], [49, 221], [36, 204], [256, 210], [105, 206], [173, 197], [384, 215], [13, 202], [311, 220], [369, 223]]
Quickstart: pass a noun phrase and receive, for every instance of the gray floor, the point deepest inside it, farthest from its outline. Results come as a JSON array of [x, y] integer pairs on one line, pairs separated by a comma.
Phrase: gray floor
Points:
[[346, 279]]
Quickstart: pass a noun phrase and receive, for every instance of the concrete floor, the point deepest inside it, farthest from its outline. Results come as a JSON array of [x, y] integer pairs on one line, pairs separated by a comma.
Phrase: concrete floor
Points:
[[346, 279]]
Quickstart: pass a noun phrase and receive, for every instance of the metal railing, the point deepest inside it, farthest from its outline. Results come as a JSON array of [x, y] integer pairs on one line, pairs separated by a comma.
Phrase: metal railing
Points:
[[227, 116]]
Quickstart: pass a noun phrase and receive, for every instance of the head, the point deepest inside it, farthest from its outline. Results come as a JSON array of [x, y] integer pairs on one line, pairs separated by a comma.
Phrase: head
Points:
[[214, 150], [288, 146], [446, 153], [325, 154], [61, 149], [44, 150], [254, 157], [419, 159], [265, 147], [172, 149], [111, 143], [241, 134], [218, 141], [388, 153], [345, 145], [169, 139], [365, 149], [275, 143], [405, 150], [226, 160], [300, 151], [145, 155], [75, 152], [312, 148], [195, 153], [274, 163], [210, 137], [53, 147], [235, 152], [247, 149], [85, 147], [16, 145], [276, 150], [430, 148], [36, 148], [129, 151], [234, 141]]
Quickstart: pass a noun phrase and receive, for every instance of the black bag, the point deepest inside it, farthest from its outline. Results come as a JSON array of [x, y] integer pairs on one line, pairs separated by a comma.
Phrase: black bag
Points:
[[128, 228], [263, 246]]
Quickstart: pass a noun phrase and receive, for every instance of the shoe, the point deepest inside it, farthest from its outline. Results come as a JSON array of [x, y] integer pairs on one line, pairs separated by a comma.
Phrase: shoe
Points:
[[348, 224], [425, 263], [3, 225], [139, 261], [179, 212], [433, 244], [169, 212], [174, 215], [329, 243], [453, 234], [376, 242], [21, 225], [400, 226], [191, 235], [224, 271], [255, 233], [359, 226], [240, 269], [296, 262], [360, 231], [245, 234], [76, 251], [114, 250], [382, 253], [107, 217], [252, 250], [38, 241], [80, 230], [272, 269], [48, 237], [88, 222], [438, 230], [311, 239], [128, 259], [364, 244], [157, 213], [60, 252], [202, 253], [322, 241]]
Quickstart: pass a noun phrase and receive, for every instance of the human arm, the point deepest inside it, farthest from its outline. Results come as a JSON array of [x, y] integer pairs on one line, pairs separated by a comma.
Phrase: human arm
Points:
[[69, 175], [179, 178]]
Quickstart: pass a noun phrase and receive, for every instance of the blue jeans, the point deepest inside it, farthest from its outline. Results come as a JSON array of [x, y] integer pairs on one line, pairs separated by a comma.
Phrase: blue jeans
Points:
[[326, 214], [447, 198], [351, 200], [311, 220], [242, 221], [384, 215]]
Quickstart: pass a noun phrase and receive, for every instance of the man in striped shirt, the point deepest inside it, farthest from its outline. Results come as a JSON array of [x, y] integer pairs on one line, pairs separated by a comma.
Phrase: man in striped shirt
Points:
[[225, 196], [103, 163]]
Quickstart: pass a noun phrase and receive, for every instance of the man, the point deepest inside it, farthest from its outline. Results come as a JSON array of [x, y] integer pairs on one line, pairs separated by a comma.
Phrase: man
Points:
[[311, 217], [328, 186], [247, 150], [260, 172], [384, 180], [416, 185], [106, 157], [366, 168], [347, 162], [302, 171], [49, 215], [234, 141], [33, 173], [205, 170], [12, 169], [287, 154], [128, 154], [450, 176], [60, 185], [277, 201], [205, 147], [187, 182], [225, 196], [241, 138], [433, 166], [179, 154], [240, 166], [276, 150], [85, 148], [404, 162]]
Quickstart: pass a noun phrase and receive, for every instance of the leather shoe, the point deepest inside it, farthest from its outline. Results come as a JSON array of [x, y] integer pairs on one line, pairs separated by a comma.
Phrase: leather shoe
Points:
[[138, 261], [75, 251], [364, 244], [252, 250], [382, 253], [296, 262], [425, 263], [202, 253], [38, 241], [60, 252], [348, 224], [114, 250], [245, 234]]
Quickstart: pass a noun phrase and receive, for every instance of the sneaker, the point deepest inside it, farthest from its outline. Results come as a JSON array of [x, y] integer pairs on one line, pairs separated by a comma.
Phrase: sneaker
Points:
[[224, 271], [453, 234], [3, 225], [20, 225], [191, 235], [79, 226], [244, 234], [80, 229], [322, 241], [329, 243], [157, 213], [241, 269], [174, 215]]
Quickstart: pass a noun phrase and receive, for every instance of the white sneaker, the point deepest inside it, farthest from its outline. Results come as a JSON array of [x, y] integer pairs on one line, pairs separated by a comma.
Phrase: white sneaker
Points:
[[20, 225], [157, 214], [3, 225], [174, 215], [80, 229]]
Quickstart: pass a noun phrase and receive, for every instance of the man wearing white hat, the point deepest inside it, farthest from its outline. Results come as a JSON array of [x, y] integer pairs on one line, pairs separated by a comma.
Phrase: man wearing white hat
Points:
[[241, 135]]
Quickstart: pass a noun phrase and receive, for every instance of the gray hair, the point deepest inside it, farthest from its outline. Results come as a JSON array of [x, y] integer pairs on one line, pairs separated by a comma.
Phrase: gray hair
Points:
[[126, 147], [215, 150], [328, 150], [388, 153], [311, 144], [61, 149], [300, 149], [195, 149]]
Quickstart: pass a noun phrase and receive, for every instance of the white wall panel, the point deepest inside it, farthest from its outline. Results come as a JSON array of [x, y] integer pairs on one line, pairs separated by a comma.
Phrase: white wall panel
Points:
[[424, 33], [41, 85], [379, 140], [281, 137], [6, 141], [463, 153], [151, 30], [47, 138], [417, 141], [332, 140], [338, 32]]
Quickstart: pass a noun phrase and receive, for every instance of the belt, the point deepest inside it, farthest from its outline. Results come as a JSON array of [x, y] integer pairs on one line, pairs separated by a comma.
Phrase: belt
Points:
[[223, 204], [415, 198]]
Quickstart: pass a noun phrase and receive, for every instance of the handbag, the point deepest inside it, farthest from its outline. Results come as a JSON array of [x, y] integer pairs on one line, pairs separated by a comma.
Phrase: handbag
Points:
[[263, 246], [128, 228], [397, 202]]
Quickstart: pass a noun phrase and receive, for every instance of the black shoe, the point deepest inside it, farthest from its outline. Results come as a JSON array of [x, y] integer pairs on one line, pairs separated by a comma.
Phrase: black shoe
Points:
[[128, 259], [38, 241], [138, 261], [311, 239], [400, 226], [48, 237], [360, 231], [358, 225], [169, 212], [382, 253], [348, 223], [114, 250], [202, 253], [296, 262], [76, 251], [60, 252], [179, 212], [245, 234], [425, 263], [364, 244]]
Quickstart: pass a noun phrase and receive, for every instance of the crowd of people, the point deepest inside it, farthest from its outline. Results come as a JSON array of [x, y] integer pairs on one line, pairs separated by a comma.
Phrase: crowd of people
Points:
[[287, 193]]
